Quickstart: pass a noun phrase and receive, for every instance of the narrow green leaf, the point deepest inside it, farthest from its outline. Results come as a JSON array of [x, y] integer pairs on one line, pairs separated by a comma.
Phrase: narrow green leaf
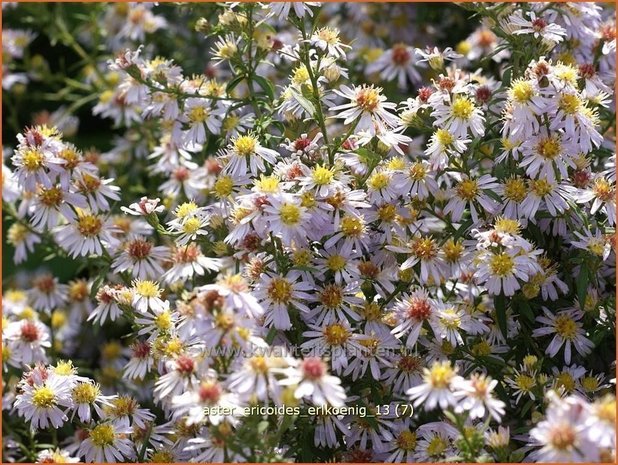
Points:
[[500, 305]]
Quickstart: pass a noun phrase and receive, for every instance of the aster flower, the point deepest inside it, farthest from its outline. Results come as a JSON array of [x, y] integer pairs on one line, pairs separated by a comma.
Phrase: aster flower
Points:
[[437, 387], [567, 331]]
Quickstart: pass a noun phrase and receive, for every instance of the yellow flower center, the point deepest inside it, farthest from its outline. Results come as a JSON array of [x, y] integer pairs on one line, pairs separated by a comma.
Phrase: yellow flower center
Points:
[[541, 187], [570, 103], [191, 225], [515, 189], [444, 137], [436, 446], [245, 145], [521, 91], [32, 159], [591, 384], [597, 246], [280, 290], [606, 409], [566, 381], [468, 189], [43, 397], [17, 233], [163, 321], [336, 263], [507, 225], [224, 186], [198, 114], [481, 348], [368, 98], [524, 382], [603, 190], [566, 327], [259, 364], [331, 296], [440, 375], [89, 225], [322, 176], [147, 288], [103, 435], [329, 35], [452, 250], [502, 264], [352, 226], [387, 212], [300, 75], [418, 171], [269, 184], [549, 148], [462, 107], [406, 440], [424, 248], [336, 334], [51, 197], [290, 214], [378, 180], [185, 209], [85, 393], [562, 436]]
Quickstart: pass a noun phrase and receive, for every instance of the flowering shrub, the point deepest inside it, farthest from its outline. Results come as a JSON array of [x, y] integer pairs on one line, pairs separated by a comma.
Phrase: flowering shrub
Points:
[[304, 232]]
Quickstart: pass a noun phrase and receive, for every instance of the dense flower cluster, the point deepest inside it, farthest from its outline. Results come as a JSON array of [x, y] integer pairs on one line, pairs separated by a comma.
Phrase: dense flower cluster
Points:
[[414, 241]]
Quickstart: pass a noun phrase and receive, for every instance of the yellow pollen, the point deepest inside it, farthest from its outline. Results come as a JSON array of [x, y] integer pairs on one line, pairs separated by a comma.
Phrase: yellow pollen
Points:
[[468, 189], [566, 327], [378, 180], [51, 197], [336, 263], [436, 446], [417, 171], [368, 98], [185, 209], [507, 225], [605, 409], [331, 296], [387, 212], [521, 91], [603, 190], [269, 184], [17, 233], [322, 176], [191, 225], [502, 264], [163, 321], [424, 248], [290, 214], [566, 381], [336, 334], [406, 440], [329, 35], [224, 186], [58, 319], [89, 225], [549, 148], [85, 393], [515, 189], [245, 145], [440, 375], [524, 382], [352, 226], [259, 364], [452, 250], [63, 368], [462, 107], [32, 159], [300, 76], [280, 290], [591, 384], [198, 114], [570, 103], [44, 397], [562, 436], [103, 435], [147, 288], [481, 348], [541, 187], [444, 137]]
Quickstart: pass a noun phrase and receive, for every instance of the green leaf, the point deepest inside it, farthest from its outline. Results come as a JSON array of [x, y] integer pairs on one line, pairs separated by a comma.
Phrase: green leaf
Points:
[[500, 305], [304, 102], [582, 283], [524, 309], [266, 85], [233, 83]]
